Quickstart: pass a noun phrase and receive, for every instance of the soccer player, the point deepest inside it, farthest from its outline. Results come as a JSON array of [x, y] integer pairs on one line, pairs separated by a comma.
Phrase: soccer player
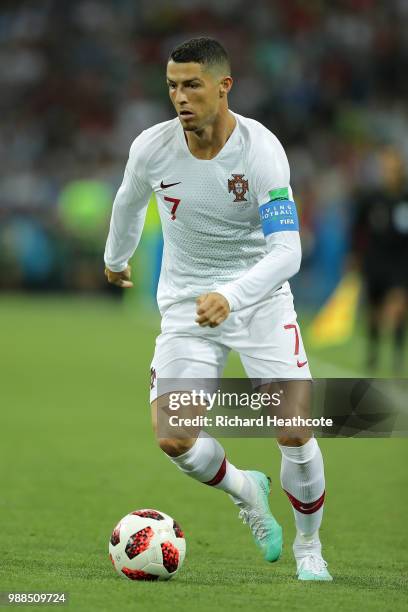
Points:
[[380, 250], [231, 243]]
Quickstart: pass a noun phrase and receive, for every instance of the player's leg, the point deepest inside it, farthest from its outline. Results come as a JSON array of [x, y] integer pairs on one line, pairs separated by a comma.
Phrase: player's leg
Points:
[[400, 333], [302, 469], [302, 477], [200, 456], [187, 360], [197, 454], [395, 317], [274, 350], [375, 297], [303, 480]]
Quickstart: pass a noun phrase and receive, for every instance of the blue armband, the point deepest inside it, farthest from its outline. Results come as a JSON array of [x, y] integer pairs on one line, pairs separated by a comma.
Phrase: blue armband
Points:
[[279, 216]]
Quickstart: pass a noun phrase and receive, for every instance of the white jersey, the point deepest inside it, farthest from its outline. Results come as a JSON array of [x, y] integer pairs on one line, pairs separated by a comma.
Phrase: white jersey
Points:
[[214, 234]]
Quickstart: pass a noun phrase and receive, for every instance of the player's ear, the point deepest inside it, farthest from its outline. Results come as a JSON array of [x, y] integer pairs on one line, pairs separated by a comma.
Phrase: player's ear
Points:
[[225, 86]]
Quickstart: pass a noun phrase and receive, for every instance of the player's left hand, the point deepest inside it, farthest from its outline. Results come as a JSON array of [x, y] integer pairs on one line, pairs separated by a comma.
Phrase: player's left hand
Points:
[[212, 309]]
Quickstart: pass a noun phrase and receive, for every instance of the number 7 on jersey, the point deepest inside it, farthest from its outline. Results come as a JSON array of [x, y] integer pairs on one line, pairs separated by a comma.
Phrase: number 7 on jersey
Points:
[[176, 202]]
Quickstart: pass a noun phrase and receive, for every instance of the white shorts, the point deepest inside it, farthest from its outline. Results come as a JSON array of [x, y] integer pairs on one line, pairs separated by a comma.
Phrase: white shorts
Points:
[[266, 336]]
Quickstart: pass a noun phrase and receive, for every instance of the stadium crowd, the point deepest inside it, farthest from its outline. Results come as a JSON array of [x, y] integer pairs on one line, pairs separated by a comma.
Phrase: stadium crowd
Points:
[[81, 78]]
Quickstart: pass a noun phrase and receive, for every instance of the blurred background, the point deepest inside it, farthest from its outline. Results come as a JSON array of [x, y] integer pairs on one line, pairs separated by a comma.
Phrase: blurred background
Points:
[[80, 79]]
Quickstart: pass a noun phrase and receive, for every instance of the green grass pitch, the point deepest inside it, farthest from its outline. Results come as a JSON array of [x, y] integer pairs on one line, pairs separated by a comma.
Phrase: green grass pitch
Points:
[[77, 454]]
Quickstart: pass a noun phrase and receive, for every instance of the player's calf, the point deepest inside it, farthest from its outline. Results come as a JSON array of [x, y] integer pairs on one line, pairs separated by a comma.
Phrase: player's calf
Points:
[[302, 479]]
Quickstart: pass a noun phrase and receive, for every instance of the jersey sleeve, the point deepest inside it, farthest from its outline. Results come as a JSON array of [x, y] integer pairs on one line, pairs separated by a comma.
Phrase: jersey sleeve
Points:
[[129, 210], [270, 176]]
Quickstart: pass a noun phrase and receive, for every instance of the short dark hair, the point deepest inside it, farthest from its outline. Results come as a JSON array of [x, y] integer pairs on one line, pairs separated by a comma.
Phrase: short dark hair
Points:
[[202, 50]]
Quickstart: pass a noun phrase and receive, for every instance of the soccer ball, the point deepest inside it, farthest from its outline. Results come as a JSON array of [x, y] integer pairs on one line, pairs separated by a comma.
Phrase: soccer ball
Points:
[[147, 545]]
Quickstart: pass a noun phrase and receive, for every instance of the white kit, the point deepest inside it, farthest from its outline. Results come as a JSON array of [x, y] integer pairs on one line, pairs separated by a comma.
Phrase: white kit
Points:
[[229, 225]]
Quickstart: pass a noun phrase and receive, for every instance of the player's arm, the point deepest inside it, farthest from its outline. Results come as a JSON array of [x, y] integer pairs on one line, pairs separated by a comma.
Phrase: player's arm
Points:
[[280, 226], [128, 215]]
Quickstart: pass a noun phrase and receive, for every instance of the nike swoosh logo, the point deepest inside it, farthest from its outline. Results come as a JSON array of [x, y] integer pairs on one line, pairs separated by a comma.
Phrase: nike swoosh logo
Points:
[[163, 186], [300, 364], [310, 509]]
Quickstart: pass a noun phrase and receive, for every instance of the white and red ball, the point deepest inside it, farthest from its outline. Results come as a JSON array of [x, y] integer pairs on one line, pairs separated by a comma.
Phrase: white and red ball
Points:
[[147, 545]]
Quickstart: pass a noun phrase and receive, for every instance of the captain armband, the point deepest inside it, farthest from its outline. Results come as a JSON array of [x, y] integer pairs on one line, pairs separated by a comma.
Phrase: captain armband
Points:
[[280, 214]]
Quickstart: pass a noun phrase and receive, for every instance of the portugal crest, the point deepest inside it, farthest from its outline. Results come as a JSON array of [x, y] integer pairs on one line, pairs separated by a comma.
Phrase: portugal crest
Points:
[[239, 186]]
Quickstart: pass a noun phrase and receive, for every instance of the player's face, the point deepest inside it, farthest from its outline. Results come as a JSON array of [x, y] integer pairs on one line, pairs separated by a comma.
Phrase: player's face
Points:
[[195, 94]]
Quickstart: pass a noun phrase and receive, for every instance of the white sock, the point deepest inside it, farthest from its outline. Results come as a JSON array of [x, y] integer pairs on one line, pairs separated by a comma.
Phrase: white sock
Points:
[[205, 461], [302, 479]]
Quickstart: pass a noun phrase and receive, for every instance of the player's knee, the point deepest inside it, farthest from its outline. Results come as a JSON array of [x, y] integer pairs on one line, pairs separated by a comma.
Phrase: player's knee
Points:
[[174, 446], [292, 440]]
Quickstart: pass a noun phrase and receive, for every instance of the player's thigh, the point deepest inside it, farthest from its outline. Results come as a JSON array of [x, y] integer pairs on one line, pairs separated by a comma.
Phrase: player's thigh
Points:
[[181, 361], [182, 364], [275, 360], [271, 345]]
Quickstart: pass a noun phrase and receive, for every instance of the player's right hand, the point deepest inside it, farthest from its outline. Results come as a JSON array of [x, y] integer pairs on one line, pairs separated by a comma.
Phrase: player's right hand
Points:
[[212, 309], [120, 279]]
